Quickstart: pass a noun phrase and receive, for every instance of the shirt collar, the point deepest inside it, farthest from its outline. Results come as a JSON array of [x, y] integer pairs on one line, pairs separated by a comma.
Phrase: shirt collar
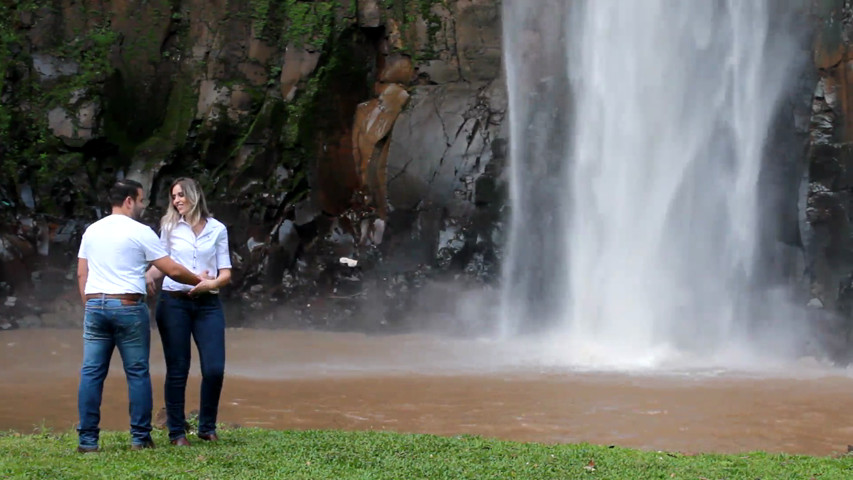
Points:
[[206, 224]]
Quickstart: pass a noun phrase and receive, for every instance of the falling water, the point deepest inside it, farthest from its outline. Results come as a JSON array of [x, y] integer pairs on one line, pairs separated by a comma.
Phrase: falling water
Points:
[[637, 130]]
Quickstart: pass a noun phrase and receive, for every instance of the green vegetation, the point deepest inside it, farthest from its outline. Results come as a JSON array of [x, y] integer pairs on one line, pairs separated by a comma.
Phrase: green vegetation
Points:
[[30, 152], [294, 22], [10, 120], [91, 51], [309, 23], [7, 37], [260, 11], [264, 454]]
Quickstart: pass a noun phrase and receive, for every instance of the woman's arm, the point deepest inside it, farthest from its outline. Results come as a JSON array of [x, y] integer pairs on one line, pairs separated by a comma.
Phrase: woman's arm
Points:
[[224, 277], [223, 260]]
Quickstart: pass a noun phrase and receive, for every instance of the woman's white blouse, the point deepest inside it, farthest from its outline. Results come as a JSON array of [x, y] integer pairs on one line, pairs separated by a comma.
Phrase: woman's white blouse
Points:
[[207, 251]]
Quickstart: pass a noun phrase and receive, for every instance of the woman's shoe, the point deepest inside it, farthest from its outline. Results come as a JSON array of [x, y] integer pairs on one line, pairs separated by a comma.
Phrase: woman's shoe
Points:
[[208, 437], [143, 445]]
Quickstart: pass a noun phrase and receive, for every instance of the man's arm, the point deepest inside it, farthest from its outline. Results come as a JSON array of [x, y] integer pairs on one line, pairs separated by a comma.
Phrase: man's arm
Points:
[[152, 279], [82, 276], [176, 271]]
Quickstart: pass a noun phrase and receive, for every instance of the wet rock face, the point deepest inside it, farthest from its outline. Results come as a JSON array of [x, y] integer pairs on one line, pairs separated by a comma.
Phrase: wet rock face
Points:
[[478, 34], [826, 206], [318, 133], [373, 122]]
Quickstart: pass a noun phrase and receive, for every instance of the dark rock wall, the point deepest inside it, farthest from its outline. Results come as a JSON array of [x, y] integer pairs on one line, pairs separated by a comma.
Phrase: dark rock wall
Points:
[[370, 130], [825, 206]]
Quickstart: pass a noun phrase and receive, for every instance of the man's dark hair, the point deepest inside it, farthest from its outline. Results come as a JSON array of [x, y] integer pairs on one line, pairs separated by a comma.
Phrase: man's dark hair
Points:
[[123, 189]]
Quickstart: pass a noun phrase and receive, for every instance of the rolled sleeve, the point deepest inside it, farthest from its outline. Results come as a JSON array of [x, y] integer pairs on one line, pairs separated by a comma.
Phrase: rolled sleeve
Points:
[[223, 256]]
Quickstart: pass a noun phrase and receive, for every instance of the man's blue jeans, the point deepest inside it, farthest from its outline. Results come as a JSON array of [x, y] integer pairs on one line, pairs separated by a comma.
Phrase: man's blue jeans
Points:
[[203, 319], [109, 324]]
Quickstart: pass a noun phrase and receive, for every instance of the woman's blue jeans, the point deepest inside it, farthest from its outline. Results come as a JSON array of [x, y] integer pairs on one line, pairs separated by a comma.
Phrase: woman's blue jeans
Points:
[[201, 318], [109, 324]]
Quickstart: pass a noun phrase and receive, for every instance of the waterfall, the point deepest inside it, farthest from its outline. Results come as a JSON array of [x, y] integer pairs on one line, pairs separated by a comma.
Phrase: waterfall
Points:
[[637, 130]]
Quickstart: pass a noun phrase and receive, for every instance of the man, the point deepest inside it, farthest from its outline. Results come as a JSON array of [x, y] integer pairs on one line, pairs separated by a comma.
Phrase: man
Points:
[[114, 254]]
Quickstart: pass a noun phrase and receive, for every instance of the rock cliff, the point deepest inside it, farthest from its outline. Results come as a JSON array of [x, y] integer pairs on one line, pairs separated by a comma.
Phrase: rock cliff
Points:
[[370, 130]]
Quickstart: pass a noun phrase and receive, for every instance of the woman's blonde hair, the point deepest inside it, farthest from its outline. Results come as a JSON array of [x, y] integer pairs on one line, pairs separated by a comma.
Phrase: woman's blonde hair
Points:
[[197, 205]]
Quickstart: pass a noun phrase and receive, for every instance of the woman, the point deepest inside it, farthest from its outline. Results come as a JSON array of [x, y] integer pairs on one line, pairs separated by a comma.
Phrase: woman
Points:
[[200, 243]]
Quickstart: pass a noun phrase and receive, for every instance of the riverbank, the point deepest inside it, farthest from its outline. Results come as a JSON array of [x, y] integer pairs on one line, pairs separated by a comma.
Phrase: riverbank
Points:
[[316, 454]]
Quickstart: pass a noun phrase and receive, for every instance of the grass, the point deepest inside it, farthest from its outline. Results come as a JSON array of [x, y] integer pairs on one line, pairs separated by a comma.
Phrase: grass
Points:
[[268, 454]]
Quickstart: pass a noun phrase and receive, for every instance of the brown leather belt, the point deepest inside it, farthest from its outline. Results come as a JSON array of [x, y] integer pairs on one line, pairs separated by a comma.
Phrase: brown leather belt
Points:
[[187, 296], [126, 298]]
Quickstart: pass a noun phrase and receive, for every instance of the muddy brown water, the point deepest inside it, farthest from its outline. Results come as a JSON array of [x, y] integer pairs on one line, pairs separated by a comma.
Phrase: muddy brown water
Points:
[[306, 380]]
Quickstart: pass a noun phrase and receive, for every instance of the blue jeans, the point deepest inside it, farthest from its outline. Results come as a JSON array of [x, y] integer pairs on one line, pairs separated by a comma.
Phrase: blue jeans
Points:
[[201, 318], [109, 324]]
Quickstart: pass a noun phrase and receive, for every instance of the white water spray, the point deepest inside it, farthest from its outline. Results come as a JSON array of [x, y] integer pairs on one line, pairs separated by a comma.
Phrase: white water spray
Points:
[[637, 130]]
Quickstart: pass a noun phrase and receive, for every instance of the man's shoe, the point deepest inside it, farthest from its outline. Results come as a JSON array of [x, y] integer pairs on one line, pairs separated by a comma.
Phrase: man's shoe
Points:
[[88, 450], [181, 442], [140, 446], [208, 437]]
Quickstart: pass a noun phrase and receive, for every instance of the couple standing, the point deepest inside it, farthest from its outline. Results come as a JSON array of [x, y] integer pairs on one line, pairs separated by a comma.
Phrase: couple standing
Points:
[[111, 273]]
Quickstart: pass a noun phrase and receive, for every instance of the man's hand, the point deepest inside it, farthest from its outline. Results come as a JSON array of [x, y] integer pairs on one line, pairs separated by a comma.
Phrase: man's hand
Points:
[[175, 271], [150, 283]]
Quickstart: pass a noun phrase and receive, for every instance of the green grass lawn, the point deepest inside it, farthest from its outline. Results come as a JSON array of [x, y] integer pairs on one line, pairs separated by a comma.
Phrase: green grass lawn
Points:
[[265, 454]]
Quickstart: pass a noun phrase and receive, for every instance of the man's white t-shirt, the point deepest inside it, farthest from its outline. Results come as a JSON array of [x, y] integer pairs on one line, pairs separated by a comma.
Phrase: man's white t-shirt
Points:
[[117, 250]]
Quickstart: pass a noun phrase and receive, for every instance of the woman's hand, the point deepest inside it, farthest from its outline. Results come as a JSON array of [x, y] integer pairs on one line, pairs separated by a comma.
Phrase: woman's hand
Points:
[[204, 286]]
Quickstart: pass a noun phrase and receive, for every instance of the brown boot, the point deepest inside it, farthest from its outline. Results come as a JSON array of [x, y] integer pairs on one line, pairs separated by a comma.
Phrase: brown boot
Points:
[[180, 442], [208, 437], [141, 446]]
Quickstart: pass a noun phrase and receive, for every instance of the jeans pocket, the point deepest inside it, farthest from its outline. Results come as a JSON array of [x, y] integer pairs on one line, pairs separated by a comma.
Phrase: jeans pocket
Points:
[[95, 326], [132, 319]]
